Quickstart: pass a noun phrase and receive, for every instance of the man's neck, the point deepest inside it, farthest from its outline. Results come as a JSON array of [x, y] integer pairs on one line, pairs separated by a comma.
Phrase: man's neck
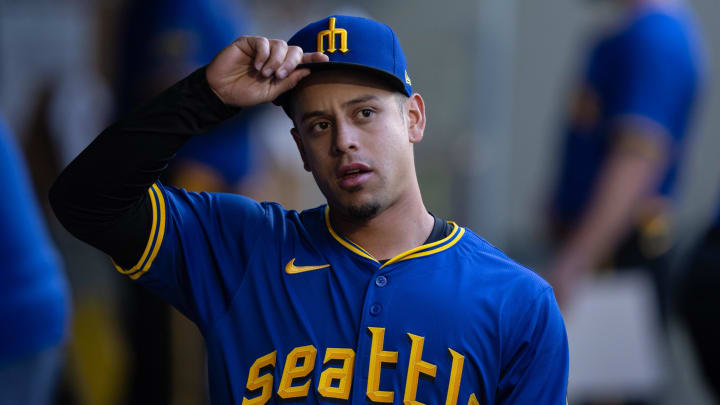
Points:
[[400, 227]]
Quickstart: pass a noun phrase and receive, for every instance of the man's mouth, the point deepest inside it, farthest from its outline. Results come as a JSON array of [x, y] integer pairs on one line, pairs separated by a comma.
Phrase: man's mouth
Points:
[[353, 175]]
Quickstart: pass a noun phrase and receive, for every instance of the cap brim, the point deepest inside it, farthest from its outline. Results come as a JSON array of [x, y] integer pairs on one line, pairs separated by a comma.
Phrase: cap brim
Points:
[[391, 79]]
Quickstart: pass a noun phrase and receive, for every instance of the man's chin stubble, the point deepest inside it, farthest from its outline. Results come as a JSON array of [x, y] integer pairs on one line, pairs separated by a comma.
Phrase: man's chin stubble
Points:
[[363, 211]]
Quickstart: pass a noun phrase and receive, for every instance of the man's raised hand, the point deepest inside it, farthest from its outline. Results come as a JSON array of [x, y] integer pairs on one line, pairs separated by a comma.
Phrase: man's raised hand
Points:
[[255, 70]]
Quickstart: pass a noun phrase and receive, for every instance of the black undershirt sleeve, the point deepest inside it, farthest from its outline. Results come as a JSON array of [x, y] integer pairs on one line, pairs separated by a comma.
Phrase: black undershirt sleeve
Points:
[[101, 197]]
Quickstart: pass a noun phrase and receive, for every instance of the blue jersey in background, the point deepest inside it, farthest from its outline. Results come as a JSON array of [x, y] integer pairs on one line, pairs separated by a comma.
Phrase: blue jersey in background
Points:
[[167, 40], [649, 72], [34, 299]]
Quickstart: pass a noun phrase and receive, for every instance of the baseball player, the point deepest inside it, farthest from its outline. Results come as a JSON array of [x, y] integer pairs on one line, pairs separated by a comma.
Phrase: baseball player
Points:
[[368, 299]]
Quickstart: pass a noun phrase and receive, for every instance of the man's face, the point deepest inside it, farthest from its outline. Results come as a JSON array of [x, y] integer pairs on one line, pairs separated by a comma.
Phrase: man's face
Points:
[[355, 135]]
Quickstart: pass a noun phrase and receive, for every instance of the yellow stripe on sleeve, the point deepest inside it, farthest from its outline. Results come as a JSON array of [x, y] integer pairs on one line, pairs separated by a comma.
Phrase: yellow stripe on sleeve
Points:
[[157, 232], [160, 235]]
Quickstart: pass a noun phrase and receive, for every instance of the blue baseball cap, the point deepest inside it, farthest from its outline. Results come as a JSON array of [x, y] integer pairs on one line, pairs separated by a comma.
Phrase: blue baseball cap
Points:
[[354, 43]]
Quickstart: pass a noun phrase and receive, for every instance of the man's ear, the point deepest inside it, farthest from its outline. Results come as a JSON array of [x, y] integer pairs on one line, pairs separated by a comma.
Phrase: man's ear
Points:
[[298, 142], [415, 117]]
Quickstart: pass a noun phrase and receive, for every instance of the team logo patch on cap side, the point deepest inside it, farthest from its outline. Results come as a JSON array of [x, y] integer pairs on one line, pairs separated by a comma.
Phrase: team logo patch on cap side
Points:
[[330, 33]]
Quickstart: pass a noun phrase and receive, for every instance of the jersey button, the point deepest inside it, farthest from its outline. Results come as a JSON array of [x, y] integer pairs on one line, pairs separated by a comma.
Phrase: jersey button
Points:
[[381, 281], [375, 309]]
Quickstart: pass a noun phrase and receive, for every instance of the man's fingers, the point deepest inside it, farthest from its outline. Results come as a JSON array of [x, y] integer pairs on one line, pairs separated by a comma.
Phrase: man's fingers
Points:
[[292, 80], [278, 50], [261, 45], [314, 57], [292, 58], [270, 55], [275, 70]]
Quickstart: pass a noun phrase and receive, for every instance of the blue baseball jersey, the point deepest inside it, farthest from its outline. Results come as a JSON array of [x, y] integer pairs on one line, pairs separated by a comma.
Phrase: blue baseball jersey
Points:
[[650, 72], [290, 309], [34, 298]]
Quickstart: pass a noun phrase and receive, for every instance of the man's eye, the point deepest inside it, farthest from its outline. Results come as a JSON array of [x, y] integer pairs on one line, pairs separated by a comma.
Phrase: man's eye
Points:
[[321, 126], [366, 112]]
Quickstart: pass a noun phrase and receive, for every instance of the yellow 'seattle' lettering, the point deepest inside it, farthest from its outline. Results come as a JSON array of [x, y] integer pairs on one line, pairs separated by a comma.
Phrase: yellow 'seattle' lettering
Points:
[[378, 357], [344, 375], [330, 33], [416, 366], [336, 378], [455, 377], [292, 371], [264, 382]]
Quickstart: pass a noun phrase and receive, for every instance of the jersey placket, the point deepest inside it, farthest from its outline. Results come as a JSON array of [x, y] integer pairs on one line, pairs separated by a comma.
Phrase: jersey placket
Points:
[[378, 293]]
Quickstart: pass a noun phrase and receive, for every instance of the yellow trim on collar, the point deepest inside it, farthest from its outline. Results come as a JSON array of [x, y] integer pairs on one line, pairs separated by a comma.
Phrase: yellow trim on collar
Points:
[[353, 247], [440, 249], [419, 251], [157, 228]]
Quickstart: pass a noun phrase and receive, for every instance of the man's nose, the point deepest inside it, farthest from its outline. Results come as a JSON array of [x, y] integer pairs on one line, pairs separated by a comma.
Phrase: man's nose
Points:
[[345, 138]]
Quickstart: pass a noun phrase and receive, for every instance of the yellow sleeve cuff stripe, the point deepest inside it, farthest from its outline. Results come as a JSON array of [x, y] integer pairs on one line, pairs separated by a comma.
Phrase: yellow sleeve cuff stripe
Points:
[[157, 232]]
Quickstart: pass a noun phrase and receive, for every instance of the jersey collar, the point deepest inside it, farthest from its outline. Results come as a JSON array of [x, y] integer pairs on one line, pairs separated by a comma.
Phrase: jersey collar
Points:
[[420, 251]]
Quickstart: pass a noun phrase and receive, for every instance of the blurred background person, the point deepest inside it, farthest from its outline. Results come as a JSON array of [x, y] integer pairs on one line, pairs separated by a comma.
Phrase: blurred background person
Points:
[[56, 100], [163, 41], [34, 296], [612, 208], [626, 136]]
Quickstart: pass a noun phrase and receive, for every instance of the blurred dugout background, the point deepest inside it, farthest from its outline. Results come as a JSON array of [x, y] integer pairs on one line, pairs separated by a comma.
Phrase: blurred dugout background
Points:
[[495, 74]]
